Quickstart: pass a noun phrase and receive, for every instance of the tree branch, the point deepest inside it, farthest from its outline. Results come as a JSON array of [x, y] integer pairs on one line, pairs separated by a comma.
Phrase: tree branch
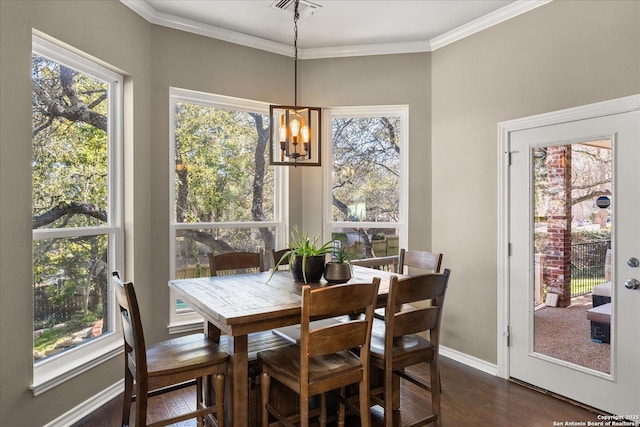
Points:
[[63, 209]]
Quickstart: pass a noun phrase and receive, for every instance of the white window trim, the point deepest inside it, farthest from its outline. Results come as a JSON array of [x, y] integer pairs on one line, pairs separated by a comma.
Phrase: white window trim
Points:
[[57, 369], [368, 111], [186, 322]]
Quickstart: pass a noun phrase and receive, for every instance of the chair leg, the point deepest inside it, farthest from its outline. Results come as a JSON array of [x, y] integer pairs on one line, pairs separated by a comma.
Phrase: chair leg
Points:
[[323, 410], [141, 403], [304, 410], [219, 389], [435, 390], [128, 395], [199, 400], [388, 398], [341, 407], [265, 383], [365, 413]]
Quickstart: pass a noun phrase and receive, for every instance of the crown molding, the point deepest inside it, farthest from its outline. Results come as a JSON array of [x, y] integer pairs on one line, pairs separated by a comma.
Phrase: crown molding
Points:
[[514, 9], [188, 25], [364, 50], [489, 20]]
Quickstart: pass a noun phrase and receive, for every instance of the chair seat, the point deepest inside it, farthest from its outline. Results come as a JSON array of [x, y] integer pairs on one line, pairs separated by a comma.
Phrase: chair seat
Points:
[[404, 346], [183, 354], [286, 362]]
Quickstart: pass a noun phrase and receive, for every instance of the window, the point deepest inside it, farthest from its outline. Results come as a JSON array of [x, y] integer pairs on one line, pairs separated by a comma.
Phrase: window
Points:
[[366, 196], [76, 110], [224, 196]]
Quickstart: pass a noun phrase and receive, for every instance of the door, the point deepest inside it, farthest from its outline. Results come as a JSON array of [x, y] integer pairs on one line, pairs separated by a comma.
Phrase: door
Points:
[[574, 226]]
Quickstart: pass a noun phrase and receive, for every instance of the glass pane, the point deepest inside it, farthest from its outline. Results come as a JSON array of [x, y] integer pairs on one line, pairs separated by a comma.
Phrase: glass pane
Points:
[[192, 247], [366, 169], [367, 242], [572, 243], [218, 175], [70, 175], [70, 289]]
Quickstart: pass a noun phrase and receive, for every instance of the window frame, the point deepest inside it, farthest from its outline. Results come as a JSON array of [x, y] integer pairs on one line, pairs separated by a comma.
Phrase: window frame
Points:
[[401, 111], [57, 369], [190, 321]]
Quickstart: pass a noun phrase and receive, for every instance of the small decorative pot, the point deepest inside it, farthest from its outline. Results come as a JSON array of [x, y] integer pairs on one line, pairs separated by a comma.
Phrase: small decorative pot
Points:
[[314, 268], [337, 273]]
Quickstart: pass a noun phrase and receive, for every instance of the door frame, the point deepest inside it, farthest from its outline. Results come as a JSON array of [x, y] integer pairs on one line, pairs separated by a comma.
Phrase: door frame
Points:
[[505, 128]]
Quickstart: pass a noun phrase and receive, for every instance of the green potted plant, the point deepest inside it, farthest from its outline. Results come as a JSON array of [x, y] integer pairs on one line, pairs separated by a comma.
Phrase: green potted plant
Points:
[[339, 269], [306, 258]]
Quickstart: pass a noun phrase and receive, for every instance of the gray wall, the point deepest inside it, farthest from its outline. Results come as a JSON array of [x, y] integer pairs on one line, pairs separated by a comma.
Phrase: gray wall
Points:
[[560, 55], [377, 80], [109, 31], [199, 63], [564, 54]]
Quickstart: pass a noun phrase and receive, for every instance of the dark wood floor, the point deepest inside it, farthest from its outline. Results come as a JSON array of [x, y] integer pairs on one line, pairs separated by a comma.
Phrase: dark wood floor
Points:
[[469, 398]]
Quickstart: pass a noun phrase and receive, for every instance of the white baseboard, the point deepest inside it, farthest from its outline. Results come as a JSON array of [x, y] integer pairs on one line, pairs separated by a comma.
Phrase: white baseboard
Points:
[[88, 406], [471, 361]]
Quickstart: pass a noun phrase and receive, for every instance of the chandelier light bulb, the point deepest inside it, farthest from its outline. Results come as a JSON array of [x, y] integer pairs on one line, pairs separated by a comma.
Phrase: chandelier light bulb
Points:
[[295, 127]]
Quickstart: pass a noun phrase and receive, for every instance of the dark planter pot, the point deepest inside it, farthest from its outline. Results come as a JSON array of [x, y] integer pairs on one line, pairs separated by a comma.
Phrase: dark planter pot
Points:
[[337, 273], [314, 268]]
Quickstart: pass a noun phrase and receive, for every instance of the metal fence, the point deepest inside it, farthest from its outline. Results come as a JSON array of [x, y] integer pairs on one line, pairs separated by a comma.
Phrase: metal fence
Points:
[[588, 266]]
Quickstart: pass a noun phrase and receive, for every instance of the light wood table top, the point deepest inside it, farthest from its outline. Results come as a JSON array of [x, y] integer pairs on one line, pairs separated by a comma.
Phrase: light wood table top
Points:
[[237, 305]]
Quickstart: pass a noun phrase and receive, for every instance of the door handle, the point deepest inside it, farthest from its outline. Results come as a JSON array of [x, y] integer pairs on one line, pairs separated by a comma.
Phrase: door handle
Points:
[[632, 283]]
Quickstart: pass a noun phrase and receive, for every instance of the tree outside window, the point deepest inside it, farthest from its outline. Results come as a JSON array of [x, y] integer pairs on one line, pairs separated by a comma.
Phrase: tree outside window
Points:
[[224, 192], [367, 179], [73, 204]]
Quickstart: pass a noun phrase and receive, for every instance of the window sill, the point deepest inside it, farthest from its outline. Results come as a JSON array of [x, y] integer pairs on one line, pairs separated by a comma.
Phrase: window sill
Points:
[[52, 373], [187, 325]]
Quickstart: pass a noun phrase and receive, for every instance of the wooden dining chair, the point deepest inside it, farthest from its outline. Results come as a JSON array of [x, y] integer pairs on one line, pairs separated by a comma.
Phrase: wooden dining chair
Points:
[[164, 366], [423, 260], [398, 342], [323, 360], [276, 256], [236, 263]]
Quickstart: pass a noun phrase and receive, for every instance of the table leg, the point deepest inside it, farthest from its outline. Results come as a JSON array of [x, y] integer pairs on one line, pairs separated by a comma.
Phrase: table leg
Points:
[[213, 333], [237, 384]]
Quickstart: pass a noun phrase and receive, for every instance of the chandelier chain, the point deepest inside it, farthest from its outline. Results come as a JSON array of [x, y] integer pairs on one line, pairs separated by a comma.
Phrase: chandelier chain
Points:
[[296, 16]]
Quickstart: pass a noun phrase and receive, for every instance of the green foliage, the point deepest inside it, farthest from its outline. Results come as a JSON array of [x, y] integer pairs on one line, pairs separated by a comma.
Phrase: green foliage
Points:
[[70, 162], [342, 237], [52, 337], [303, 246], [591, 235], [341, 256], [366, 168], [69, 157], [215, 152]]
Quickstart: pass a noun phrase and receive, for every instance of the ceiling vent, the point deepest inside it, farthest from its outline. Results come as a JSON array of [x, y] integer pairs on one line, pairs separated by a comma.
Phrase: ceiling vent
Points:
[[305, 8]]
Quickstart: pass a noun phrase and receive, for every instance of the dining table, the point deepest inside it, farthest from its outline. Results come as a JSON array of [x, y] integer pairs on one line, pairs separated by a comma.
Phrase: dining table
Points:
[[238, 305]]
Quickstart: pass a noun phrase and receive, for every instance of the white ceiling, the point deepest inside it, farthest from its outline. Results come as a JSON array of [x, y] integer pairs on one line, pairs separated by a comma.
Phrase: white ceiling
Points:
[[337, 27]]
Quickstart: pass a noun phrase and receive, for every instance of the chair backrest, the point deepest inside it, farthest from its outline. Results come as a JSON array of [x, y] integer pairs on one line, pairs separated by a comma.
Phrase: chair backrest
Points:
[[430, 289], [385, 263], [353, 332], [419, 259], [236, 263], [276, 256], [131, 322]]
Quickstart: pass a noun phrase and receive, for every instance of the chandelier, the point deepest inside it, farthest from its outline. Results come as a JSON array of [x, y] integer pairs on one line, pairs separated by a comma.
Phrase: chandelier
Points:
[[294, 130]]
